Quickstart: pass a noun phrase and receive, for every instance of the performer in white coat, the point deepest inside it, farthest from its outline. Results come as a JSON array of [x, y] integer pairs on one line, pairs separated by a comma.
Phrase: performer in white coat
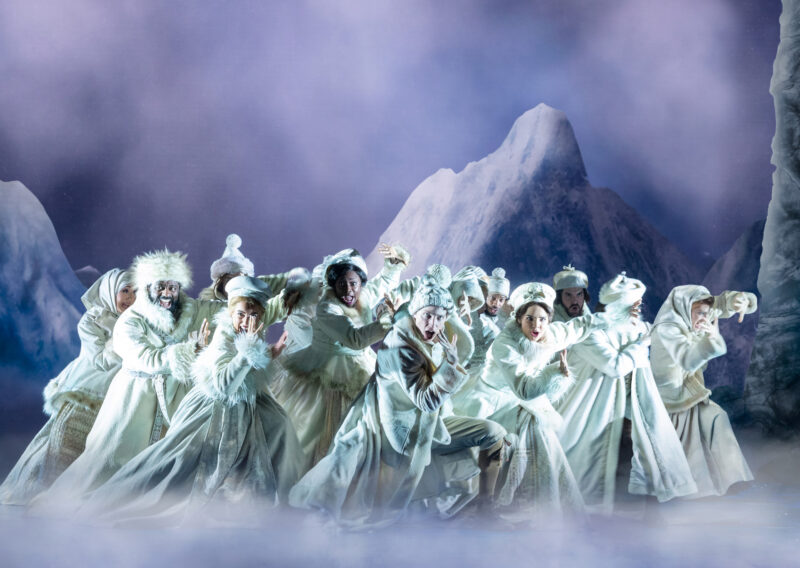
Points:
[[230, 444], [685, 337], [154, 340], [381, 451], [73, 398], [320, 382], [614, 385]]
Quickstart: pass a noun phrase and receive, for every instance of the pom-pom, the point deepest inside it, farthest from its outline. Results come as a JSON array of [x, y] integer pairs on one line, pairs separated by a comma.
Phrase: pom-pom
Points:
[[441, 274], [233, 240], [499, 273]]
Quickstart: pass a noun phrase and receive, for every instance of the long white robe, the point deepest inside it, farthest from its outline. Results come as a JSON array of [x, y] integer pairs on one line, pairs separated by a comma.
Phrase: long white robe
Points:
[[678, 357], [73, 398], [317, 384], [229, 444], [379, 455], [594, 409]]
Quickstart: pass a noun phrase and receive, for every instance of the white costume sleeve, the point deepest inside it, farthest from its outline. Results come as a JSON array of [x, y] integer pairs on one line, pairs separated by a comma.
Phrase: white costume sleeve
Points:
[[340, 328], [96, 344], [690, 350]]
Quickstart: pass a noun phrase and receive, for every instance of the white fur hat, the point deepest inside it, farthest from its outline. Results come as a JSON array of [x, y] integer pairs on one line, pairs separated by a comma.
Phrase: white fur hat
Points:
[[232, 260], [532, 292], [346, 256], [430, 293], [466, 282], [622, 289], [570, 277], [498, 283], [161, 265], [248, 287]]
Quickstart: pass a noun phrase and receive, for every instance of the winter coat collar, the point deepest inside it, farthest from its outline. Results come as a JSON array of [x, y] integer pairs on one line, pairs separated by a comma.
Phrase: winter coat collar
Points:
[[162, 319]]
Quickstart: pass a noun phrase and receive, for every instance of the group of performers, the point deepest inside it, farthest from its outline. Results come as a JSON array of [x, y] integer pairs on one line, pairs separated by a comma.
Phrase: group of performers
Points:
[[443, 394]]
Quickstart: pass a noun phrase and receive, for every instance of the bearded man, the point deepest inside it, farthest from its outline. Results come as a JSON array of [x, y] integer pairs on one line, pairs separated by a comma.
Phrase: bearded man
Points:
[[572, 294], [157, 339]]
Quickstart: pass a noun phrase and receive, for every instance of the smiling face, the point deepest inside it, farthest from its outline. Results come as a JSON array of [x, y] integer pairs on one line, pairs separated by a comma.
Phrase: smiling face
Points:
[[573, 299], [494, 302], [701, 313], [534, 322], [243, 312], [430, 322], [166, 294], [125, 298], [348, 288]]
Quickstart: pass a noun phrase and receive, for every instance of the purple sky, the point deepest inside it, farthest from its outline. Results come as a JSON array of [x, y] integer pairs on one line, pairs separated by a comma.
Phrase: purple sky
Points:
[[305, 125]]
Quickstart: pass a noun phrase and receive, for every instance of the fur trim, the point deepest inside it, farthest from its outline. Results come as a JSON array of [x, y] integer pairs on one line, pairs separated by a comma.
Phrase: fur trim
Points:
[[180, 358], [298, 279], [161, 319], [557, 384], [50, 394], [253, 349], [160, 265]]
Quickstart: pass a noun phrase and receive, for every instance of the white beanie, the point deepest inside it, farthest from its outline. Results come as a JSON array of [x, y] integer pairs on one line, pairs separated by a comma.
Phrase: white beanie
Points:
[[161, 266], [532, 292], [346, 256], [232, 261], [441, 274], [570, 277], [498, 283], [248, 287], [622, 289], [430, 293]]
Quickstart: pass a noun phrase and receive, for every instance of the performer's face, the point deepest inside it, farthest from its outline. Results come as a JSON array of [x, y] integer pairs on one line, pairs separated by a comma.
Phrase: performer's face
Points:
[[348, 288], [572, 299], [165, 293], [494, 302], [701, 315], [242, 314], [125, 298], [534, 323], [430, 322]]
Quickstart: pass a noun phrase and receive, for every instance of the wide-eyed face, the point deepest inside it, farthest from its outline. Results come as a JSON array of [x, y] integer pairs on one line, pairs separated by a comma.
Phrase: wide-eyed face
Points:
[[166, 294], [701, 315], [242, 313], [430, 322], [494, 302], [348, 288], [534, 323], [125, 298], [573, 299]]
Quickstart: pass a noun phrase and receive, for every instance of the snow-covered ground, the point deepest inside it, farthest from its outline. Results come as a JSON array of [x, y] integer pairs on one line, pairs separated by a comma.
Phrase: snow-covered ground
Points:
[[757, 526]]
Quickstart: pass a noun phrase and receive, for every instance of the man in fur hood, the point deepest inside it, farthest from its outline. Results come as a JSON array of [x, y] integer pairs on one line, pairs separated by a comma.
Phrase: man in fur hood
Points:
[[157, 339]]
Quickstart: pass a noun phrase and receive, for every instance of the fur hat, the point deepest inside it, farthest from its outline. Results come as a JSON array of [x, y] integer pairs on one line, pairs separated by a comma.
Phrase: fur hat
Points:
[[232, 261], [161, 265], [346, 256], [532, 292], [498, 283], [570, 277], [430, 293], [248, 287], [622, 289]]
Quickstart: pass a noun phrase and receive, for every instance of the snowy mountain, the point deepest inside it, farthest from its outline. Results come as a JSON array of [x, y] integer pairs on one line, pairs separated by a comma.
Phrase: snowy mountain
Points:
[[39, 293], [530, 208], [735, 270]]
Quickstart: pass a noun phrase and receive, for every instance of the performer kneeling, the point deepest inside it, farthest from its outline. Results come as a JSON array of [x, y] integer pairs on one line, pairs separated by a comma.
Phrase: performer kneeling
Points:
[[380, 452]]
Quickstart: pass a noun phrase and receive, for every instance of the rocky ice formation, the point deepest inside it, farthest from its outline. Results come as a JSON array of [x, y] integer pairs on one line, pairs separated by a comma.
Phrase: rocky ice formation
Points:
[[737, 269], [39, 293], [530, 208], [772, 389]]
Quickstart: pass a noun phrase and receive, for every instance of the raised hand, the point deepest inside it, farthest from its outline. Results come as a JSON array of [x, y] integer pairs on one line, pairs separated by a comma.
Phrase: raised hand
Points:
[[390, 254], [202, 336], [464, 309], [279, 345], [562, 363], [740, 305], [449, 347], [251, 328]]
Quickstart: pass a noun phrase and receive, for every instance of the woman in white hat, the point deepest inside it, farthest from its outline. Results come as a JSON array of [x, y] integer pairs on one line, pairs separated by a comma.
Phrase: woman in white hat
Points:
[[73, 398], [396, 425], [614, 410], [317, 384], [229, 441], [685, 338], [517, 389]]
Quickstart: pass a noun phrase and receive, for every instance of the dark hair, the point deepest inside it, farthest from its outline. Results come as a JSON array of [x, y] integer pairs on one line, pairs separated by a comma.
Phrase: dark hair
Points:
[[524, 308], [337, 270], [708, 301], [586, 297]]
